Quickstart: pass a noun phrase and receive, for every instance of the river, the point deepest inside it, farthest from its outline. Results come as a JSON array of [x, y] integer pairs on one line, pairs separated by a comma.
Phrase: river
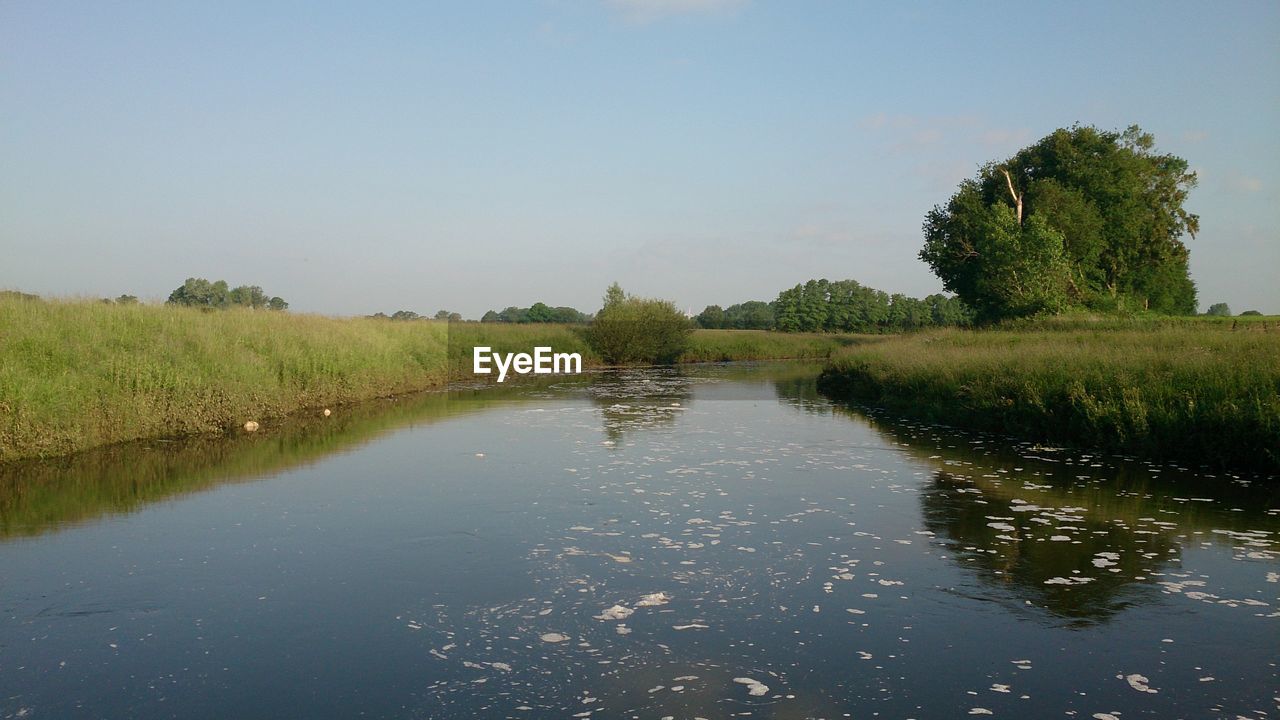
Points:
[[709, 541]]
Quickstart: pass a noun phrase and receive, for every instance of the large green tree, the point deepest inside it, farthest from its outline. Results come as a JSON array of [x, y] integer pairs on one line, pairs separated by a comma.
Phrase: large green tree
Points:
[[1095, 216]]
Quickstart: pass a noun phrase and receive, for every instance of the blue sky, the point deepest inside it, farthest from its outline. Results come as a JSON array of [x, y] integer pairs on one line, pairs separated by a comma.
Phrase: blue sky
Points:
[[473, 155]]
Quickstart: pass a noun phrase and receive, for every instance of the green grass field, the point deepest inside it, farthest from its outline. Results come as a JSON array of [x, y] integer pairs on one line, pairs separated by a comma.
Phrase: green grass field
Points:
[[1196, 391], [80, 374]]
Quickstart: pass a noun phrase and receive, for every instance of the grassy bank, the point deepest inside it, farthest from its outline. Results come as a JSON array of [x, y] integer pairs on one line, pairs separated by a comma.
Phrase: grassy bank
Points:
[[1195, 392], [76, 375], [726, 345]]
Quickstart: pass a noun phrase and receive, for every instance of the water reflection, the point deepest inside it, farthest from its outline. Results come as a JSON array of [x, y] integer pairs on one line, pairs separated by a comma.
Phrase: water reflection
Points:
[[631, 400], [1079, 536], [505, 565], [38, 496], [1072, 561]]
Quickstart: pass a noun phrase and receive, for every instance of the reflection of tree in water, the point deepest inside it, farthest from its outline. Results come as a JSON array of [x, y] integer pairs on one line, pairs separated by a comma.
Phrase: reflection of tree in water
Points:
[[1013, 547], [640, 399], [998, 506], [802, 392]]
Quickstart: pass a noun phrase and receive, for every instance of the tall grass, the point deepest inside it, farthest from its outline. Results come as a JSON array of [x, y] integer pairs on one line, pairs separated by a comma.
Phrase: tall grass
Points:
[[1198, 392], [78, 374], [726, 345]]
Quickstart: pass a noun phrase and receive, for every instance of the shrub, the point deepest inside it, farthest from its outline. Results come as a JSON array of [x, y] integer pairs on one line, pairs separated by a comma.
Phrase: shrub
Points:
[[639, 330]]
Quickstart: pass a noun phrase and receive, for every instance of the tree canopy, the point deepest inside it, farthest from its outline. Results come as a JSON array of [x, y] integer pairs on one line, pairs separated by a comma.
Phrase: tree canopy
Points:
[[1083, 218], [199, 292], [837, 306], [536, 313], [750, 315], [848, 306]]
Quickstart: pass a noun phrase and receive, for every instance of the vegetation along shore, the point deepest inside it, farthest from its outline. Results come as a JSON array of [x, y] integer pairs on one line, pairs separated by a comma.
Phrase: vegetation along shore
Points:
[[1197, 391], [80, 374]]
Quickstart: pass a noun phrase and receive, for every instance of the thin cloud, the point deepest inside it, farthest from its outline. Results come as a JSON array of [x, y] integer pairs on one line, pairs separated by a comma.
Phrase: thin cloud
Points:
[[915, 134], [641, 12], [1004, 138], [1244, 183]]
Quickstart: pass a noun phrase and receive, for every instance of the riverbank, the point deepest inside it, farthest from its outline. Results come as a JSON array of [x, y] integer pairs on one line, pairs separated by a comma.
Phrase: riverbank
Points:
[[81, 374], [1193, 392]]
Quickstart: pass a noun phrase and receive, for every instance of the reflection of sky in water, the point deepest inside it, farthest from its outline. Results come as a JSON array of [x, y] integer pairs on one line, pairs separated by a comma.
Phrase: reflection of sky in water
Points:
[[705, 542]]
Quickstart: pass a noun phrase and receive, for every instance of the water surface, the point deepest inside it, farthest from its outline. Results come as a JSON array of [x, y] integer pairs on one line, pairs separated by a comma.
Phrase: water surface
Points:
[[713, 541]]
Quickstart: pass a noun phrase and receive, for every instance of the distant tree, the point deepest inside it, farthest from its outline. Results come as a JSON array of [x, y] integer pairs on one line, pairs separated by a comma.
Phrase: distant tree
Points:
[[405, 315], [449, 316], [1248, 313], [1219, 310], [250, 296], [127, 300], [786, 310], [814, 308], [712, 317], [565, 314], [750, 315], [199, 292], [614, 295], [540, 313], [947, 311], [513, 314], [380, 316], [908, 313], [847, 306]]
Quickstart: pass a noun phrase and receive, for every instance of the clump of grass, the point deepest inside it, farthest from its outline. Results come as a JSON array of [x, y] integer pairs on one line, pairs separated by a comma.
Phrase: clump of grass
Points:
[[726, 345], [1196, 392]]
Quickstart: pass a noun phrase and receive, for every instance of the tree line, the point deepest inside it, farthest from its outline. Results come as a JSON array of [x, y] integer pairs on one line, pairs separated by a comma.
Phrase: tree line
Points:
[[537, 313], [839, 306], [217, 295], [405, 315]]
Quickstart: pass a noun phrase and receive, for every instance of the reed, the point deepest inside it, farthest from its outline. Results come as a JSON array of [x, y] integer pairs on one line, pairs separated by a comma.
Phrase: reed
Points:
[[1196, 392]]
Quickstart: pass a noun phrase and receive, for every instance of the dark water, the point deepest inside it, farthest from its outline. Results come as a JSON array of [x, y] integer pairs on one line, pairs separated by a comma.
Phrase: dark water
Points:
[[461, 555]]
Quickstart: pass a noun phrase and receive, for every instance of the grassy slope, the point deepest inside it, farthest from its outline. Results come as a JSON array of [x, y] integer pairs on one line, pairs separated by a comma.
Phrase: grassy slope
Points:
[[75, 375], [1192, 391]]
